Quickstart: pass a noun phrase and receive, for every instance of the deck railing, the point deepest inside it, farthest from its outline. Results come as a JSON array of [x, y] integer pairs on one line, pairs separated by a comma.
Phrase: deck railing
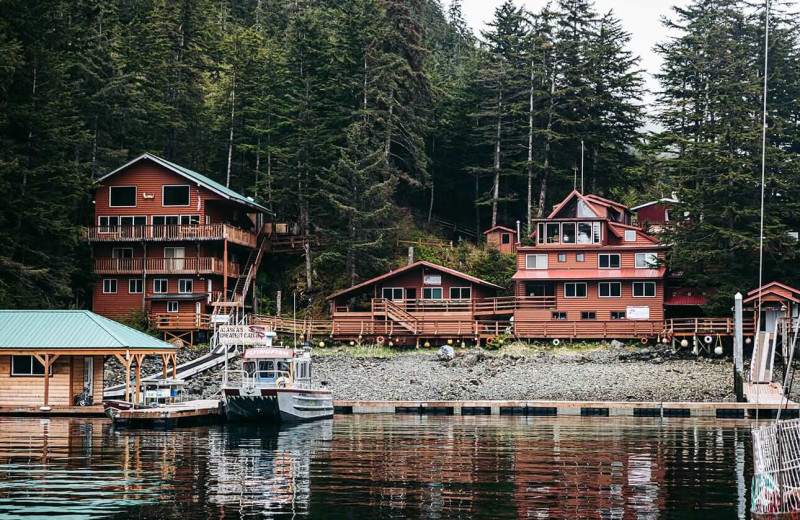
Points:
[[180, 321], [701, 326], [217, 231], [481, 306], [188, 265]]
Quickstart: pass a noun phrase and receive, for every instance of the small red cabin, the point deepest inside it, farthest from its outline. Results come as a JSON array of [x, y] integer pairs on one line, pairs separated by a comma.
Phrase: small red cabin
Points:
[[419, 301], [501, 238]]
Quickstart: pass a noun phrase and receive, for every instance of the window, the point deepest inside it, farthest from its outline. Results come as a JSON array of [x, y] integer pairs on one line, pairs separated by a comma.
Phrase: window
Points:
[[617, 315], [535, 261], [175, 195], [559, 315], [185, 285], [609, 289], [608, 261], [596, 232], [505, 238], [553, 233], [122, 252], [122, 196], [644, 289], [588, 315], [160, 285], [580, 257], [27, 366], [140, 220], [165, 220], [585, 233], [432, 293], [135, 286], [460, 293], [190, 220], [108, 224], [172, 306], [630, 235], [575, 290], [562, 257], [568, 232], [392, 293], [110, 286], [645, 260]]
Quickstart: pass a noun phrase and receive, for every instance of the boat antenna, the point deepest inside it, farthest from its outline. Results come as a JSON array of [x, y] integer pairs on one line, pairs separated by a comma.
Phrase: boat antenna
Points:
[[294, 316]]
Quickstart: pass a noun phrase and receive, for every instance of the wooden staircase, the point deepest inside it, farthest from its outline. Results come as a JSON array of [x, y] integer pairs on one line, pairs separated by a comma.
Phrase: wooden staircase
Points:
[[397, 314], [250, 269]]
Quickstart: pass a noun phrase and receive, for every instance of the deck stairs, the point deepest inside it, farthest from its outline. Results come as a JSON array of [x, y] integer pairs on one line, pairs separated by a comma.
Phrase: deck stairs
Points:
[[250, 268], [400, 316]]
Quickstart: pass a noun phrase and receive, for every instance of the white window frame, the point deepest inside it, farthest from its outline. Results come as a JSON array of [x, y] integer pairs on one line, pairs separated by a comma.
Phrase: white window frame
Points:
[[623, 313], [647, 263], [140, 284], [461, 290], [559, 314], [135, 197], [580, 257], [536, 258], [166, 284], [393, 289], [575, 290], [188, 188], [645, 284], [610, 295], [176, 304], [29, 374], [627, 234], [432, 289], [609, 255], [182, 281], [115, 285], [107, 228]]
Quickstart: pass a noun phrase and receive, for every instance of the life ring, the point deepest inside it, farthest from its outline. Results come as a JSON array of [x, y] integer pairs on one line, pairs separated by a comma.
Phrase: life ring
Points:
[[644, 340], [708, 340], [380, 340], [556, 342], [281, 382]]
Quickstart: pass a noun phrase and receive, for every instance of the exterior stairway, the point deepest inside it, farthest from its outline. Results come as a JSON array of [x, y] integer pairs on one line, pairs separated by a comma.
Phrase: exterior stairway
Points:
[[399, 315], [250, 268]]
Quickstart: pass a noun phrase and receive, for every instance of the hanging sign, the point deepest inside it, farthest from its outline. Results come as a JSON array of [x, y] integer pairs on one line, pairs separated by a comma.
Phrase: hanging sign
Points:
[[638, 313], [245, 335], [433, 279]]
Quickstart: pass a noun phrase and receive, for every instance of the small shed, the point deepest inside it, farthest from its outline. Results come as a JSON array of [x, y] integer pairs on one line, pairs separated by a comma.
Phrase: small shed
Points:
[[502, 238], [71, 347]]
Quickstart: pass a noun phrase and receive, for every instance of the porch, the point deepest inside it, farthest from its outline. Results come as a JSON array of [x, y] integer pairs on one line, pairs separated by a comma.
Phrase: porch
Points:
[[187, 265], [149, 233]]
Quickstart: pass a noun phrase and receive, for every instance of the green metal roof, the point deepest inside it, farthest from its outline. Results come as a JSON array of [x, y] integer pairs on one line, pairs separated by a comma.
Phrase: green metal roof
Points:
[[197, 177], [70, 330]]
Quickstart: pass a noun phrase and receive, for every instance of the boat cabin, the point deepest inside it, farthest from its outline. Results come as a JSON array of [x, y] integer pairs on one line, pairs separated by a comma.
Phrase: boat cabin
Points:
[[276, 367], [501, 238]]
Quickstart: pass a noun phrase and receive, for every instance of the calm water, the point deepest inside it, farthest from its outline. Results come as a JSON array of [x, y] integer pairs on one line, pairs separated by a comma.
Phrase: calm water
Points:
[[379, 467]]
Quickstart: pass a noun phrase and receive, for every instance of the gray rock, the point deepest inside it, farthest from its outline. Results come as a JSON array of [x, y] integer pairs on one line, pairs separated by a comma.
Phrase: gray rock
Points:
[[446, 353], [617, 344]]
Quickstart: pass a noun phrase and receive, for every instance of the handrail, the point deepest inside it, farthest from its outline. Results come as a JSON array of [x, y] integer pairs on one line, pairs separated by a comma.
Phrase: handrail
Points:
[[180, 321], [187, 265], [216, 231]]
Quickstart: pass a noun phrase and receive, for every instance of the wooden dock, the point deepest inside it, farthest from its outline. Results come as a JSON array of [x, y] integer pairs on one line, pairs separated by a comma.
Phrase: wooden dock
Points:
[[179, 414], [766, 394], [54, 411]]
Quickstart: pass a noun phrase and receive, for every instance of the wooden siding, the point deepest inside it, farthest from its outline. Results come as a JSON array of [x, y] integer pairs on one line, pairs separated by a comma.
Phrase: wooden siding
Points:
[[627, 258], [495, 239], [65, 384]]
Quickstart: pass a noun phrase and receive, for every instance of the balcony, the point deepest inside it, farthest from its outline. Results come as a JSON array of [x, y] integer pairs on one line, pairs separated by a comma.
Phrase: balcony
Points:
[[169, 233], [179, 321], [137, 266]]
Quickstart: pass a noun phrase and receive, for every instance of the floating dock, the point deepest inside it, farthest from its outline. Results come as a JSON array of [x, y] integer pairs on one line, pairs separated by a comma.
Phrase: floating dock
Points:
[[180, 414]]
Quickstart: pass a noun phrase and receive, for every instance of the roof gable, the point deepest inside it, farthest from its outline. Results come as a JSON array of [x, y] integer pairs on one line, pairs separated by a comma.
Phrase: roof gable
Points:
[[576, 195], [200, 179], [499, 228], [778, 289]]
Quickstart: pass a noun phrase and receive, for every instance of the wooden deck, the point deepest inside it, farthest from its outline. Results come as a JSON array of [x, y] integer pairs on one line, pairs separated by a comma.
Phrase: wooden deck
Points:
[[189, 412], [766, 394], [55, 410], [169, 233], [189, 265]]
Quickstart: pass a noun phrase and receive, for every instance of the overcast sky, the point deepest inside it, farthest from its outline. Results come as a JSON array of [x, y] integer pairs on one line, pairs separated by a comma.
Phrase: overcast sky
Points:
[[641, 18]]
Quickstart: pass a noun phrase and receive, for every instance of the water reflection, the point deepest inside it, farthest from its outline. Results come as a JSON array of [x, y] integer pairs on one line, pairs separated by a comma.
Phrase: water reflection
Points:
[[378, 467]]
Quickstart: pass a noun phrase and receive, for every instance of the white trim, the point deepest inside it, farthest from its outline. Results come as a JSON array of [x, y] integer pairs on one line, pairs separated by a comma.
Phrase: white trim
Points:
[[188, 189], [141, 283], [651, 203], [655, 290], [460, 290], [116, 284], [647, 264], [585, 285], [619, 257], [402, 292], [546, 262], [177, 306], [135, 197], [184, 280], [609, 291], [166, 280]]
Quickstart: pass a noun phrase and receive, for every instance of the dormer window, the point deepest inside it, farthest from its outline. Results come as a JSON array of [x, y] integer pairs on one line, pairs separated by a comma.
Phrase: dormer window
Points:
[[630, 235], [568, 232]]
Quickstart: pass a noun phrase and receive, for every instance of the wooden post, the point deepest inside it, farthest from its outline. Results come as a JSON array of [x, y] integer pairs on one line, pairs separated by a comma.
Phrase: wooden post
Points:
[[738, 349], [174, 366], [225, 271], [139, 358], [46, 379], [164, 361]]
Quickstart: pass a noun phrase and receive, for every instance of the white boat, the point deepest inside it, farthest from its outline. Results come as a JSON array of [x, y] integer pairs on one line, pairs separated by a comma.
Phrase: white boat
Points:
[[275, 384]]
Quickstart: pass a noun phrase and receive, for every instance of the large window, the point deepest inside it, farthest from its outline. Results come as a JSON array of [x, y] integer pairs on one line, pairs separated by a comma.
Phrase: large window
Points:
[[609, 289], [27, 366], [392, 293], [575, 290], [110, 286], [460, 293], [535, 261], [160, 286], [135, 286], [122, 196], [606, 261], [432, 293], [122, 252], [645, 260], [185, 285], [568, 232], [175, 195], [584, 232], [133, 220], [553, 233], [644, 289]]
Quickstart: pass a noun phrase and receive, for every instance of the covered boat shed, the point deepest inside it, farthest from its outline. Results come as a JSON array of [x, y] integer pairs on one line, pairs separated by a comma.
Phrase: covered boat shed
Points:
[[71, 347]]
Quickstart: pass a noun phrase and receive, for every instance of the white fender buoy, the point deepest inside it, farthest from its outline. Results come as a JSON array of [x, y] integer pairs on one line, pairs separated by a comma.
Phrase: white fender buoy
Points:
[[556, 342], [718, 350], [708, 340], [684, 342]]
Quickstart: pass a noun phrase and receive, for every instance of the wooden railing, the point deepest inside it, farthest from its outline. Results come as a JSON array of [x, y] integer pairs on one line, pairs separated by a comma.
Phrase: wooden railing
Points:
[[166, 233], [704, 326], [189, 265], [587, 329], [180, 321], [482, 306], [307, 328]]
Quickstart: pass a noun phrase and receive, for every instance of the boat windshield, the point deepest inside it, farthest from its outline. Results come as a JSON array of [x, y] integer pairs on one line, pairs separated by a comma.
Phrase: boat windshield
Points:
[[269, 370]]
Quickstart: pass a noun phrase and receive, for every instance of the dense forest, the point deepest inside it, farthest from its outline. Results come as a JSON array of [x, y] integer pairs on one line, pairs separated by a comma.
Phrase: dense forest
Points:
[[365, 120]]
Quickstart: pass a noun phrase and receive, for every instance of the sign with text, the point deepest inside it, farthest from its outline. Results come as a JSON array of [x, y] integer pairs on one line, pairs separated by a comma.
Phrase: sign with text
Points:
[[638, 313], [433, 279], [245, 335]]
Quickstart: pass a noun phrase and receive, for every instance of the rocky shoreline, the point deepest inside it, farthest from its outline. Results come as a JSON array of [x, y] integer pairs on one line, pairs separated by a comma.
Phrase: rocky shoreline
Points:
[[602, 374]]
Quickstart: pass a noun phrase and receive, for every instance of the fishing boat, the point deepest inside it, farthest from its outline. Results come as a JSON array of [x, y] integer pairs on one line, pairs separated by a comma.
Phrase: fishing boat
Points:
[[275, 384]]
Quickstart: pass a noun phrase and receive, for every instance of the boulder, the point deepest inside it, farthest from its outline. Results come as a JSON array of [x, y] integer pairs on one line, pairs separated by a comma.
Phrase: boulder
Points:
[[617, 344], [446, 353]]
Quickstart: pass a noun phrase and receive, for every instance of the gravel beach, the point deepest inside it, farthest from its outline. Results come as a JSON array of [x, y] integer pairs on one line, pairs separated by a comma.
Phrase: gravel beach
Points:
[[606, 374]]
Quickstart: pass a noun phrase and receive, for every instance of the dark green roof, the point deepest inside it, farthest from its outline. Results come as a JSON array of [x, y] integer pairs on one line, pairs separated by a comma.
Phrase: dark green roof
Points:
[[70, 330]]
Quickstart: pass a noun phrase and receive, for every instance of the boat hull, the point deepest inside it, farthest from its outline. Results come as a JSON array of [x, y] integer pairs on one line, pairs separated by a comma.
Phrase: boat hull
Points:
[[277, 404]]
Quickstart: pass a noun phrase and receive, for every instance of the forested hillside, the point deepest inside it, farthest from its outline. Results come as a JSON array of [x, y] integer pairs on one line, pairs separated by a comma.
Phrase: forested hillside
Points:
[[362, 119]]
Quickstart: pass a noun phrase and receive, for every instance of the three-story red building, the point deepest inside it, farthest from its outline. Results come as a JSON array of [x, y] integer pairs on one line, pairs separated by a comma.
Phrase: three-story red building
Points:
[[173, 243], [590, 274]]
